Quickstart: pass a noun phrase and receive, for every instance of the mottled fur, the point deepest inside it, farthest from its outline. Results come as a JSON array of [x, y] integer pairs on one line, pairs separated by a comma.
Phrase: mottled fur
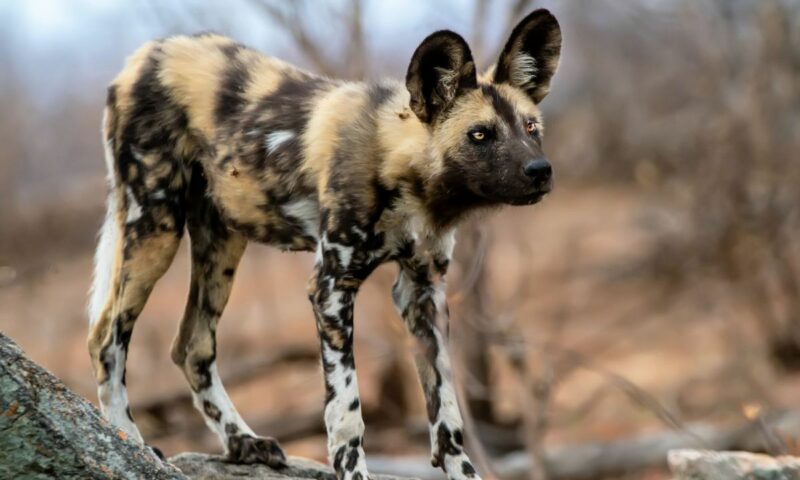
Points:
[[205, 135]]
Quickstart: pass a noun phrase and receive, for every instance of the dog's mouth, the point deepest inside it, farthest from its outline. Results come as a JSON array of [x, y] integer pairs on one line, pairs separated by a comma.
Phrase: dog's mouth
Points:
[[529, 199], [532, 197]]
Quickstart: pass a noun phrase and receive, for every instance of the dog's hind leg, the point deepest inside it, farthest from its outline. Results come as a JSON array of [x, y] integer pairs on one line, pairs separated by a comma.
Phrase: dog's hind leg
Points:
[[216, 252], [137, 244]]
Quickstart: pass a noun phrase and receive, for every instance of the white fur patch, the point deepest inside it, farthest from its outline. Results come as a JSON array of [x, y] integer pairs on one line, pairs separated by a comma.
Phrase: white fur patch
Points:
[[107, 245], [523, 70], [134, 209], [403, 292], [445, 244], [343, 423], [307, 212], [137, 154], [114, 396], [334, 304], [344, 252], [275, 139], [108, 151], [218, 397], [318, 256]]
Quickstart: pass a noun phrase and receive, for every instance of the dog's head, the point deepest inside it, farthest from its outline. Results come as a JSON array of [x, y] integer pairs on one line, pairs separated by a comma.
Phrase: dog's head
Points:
[[488, 132]]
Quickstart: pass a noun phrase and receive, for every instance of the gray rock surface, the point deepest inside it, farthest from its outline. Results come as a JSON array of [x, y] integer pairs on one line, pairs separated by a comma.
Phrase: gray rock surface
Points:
[[47, 431], [711, 465], [198, 466]]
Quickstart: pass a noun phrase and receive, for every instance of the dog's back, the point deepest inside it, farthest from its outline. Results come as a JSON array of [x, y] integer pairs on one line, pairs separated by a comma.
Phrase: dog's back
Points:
[[209, 103]]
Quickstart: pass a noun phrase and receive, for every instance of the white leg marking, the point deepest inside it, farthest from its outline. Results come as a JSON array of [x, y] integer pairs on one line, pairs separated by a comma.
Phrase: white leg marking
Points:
[[216, 399], [343, 423], [342, 414], [275, 139], [114, 396], [344, 252], [449, 413]]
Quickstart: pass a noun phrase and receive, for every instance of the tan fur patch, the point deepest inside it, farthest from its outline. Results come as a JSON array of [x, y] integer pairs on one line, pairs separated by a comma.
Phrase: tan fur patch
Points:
[[487, 77], [241, 195], [332, 110], [266, 74], [192, 70], [404, 138]]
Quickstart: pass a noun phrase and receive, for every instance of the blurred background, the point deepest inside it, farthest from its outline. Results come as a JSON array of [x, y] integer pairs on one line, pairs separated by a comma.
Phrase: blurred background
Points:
[[651, 301]]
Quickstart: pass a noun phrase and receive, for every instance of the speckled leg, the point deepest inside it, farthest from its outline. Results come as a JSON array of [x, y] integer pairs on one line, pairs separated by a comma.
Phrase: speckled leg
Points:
[[216, 252], [420, 301], [149, 235], [332, 293]]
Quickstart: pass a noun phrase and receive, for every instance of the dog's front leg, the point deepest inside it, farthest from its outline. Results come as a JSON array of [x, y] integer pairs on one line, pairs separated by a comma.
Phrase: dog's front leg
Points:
[[332, 291], [421, 301]]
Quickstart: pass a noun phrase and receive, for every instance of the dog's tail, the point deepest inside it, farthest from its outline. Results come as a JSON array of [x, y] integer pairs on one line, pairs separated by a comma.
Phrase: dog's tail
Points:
[[108, 255]]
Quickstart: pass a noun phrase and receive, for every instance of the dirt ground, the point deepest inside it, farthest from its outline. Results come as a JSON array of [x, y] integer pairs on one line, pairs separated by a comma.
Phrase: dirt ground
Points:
[[568, 273]]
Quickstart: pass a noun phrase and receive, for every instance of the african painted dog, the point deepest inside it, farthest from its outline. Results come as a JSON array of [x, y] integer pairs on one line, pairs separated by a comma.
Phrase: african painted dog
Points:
[[205, 134]]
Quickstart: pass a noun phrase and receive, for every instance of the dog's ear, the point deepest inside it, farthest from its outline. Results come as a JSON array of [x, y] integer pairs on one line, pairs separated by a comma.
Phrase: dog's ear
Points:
[[441, 69], [531, 55]]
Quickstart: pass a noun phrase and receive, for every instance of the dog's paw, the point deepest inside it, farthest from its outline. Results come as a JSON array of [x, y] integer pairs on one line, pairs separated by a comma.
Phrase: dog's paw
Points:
[[249, 449]]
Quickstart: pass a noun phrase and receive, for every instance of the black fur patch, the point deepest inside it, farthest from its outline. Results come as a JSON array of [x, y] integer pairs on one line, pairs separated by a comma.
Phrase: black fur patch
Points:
[[231, 429], [230, 97], [467, 469], [338, 457], [444, 445], [352, 459], [458, 437], [211, 411], [502, 106]]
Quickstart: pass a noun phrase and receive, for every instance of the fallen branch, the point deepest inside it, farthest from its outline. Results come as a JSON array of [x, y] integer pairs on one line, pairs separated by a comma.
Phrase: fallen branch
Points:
[[600, 459], [200, 466], [711, 465]]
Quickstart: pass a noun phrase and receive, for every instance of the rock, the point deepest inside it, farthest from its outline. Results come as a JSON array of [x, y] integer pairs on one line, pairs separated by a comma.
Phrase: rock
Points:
[[199, 466], [47, 431], [712, 465]]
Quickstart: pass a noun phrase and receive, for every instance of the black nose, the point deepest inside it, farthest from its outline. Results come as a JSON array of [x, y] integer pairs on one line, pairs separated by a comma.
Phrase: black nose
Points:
[[539, 169]]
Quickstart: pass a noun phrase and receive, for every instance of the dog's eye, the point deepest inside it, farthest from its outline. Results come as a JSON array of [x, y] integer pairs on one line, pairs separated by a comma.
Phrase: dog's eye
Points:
[[530, 127], [479, 134]]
